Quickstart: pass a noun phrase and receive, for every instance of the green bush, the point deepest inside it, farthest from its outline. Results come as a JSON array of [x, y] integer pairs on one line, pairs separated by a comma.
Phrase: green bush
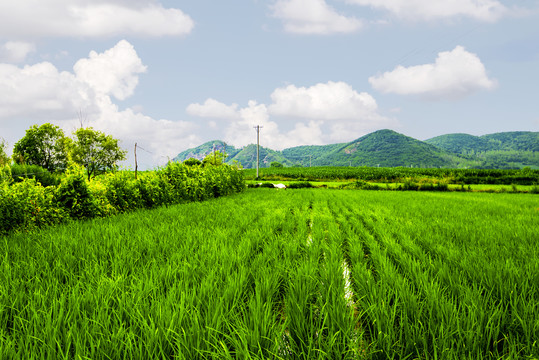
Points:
[[27, 205], [300, 185], [192, 162], [122, 191], [42, 175], [154, 190], [74, 195], [5, 175]]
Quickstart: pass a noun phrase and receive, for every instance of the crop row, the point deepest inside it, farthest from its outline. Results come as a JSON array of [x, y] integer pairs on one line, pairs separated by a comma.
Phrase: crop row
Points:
[[304, 274], [456, 176]]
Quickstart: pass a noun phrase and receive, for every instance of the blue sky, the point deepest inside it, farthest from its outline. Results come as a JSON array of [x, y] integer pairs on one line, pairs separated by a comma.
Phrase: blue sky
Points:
[[171, 75]]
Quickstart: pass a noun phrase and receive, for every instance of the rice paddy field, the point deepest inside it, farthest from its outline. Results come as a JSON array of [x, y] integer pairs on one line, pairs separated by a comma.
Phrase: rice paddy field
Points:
[[281, 274]]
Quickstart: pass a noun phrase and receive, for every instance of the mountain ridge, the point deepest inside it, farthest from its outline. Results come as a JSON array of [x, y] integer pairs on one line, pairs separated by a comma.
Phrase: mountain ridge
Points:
[[389, 148]]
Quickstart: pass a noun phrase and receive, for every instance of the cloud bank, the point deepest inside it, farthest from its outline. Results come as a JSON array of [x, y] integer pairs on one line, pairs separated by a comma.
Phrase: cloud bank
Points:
[[43, 94], [313, 17], [16, 51], [320, 114], [454, 74], [90, 18], [431, 10]]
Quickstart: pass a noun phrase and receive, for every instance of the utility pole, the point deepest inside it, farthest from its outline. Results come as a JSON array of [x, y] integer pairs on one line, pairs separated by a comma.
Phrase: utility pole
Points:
[[258, 127], [310, 159]]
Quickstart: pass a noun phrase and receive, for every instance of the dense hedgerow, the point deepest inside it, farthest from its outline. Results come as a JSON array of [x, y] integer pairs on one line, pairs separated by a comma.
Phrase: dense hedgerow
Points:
[[43, 176], [27, 204]]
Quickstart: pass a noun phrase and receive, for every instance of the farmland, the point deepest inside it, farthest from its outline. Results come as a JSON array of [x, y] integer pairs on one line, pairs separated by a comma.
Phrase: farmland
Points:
[[295, 274], [525, 176]]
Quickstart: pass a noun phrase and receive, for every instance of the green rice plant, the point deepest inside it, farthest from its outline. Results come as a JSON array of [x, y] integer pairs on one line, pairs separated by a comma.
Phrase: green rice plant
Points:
[[263, 274]]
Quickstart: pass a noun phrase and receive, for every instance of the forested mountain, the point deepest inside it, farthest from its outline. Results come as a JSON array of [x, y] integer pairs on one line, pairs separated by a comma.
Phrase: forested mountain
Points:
[[386, 148], [389, 148], [500, 150], [507, 141]]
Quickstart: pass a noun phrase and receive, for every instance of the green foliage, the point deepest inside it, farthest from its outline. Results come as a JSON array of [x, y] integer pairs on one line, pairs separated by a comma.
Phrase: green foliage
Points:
[[26, 204], [455, 176], [4, 159], [74, 195], [387, 148], [154, 190], [460, 143], [300, 275], [96, 151], [43, 145], [360, 185], [192, 162], [300, 154], [300, 185], [276, 164], [508, 150], [5, 175], [201, 151], [216, 158], [122, 191], [20, 172]]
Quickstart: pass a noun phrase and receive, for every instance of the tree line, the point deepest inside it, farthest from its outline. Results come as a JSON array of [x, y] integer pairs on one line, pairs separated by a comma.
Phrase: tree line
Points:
[[48, 147]]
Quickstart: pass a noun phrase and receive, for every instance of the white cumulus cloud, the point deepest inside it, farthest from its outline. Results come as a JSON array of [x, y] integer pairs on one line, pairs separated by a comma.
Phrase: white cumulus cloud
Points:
[[454, 74], [89, 18], [113, 72], [320, 114], [323, 101], [41, 93], [16, 51], [427, 10], [313, 17], [213, 109]]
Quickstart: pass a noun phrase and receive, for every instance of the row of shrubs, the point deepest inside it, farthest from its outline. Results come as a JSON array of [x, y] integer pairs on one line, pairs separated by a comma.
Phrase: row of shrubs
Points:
[[27, 204]]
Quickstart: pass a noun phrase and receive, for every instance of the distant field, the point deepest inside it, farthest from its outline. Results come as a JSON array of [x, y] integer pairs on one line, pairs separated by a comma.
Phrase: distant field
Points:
[[395, 185], [306, 274], [398, 174]]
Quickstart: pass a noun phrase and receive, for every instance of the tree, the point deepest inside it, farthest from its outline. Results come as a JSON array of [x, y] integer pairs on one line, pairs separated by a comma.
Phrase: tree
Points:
[[216, 158], [192, 162], [44, 145], [4, 159], [96, 151], [276, 164]]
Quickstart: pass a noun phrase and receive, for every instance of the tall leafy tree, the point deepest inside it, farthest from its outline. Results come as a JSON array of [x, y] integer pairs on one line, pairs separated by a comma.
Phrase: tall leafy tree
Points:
[[96, 151], [44, 145], [4, 159], [216, 158]]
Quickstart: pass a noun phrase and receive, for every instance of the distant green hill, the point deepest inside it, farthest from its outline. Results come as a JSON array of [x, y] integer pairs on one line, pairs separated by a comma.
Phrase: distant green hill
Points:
[[304, 155], [509, 141], [459, 143], [388, 148], [201, 151], [500, 150], [247, 157]]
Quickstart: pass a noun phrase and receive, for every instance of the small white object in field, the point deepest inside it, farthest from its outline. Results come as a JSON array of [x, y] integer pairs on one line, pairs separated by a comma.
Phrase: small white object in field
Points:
[[279, 186]]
